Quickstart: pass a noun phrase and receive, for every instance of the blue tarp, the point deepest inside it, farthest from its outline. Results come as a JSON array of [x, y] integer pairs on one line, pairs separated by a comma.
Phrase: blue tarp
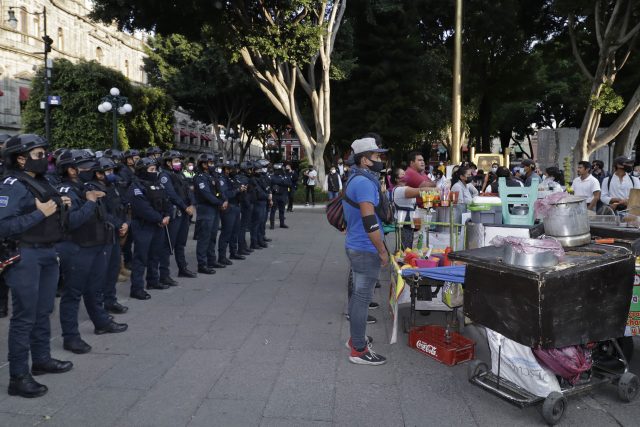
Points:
[[449, 274]]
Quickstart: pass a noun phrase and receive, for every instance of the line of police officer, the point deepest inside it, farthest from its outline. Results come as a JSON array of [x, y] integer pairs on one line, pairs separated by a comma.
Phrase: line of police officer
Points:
[[71, 217]]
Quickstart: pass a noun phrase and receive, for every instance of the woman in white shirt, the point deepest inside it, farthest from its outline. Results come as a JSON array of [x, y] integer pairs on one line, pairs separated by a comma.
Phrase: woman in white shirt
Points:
[[461, 180], [404, 199]]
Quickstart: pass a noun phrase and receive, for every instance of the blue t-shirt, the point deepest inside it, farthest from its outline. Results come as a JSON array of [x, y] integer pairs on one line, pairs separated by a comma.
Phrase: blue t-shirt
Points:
[[360, 189]]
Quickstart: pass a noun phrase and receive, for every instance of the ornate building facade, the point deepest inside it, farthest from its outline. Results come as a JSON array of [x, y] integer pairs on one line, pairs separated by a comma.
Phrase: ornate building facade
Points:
[[74, 37]]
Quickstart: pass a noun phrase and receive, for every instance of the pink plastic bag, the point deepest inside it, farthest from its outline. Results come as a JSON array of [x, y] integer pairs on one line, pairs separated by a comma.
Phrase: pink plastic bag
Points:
[[529, 246], [568, 362]]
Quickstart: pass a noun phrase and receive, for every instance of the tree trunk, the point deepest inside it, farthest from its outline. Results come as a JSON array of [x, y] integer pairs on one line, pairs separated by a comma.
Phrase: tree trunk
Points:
[[627, 138], [484, 118]]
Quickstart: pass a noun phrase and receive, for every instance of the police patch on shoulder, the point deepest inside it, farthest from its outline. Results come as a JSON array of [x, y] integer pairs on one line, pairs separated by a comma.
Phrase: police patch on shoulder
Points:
[[201, 185], [10, 181], [164, 180], [4, 201], [137, 192]]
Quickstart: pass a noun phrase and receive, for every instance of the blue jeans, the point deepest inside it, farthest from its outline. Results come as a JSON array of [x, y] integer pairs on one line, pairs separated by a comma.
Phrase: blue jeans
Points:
[[366, 269], [333, 195]]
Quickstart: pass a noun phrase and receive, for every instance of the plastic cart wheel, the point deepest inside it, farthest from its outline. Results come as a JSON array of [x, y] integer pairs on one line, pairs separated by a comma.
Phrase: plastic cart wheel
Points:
[[476, 368], [553, 408], [628, 387]]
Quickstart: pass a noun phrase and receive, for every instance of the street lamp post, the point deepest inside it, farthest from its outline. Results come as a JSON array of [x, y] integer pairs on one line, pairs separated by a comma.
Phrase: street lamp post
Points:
[[13, 22], [119, 105]]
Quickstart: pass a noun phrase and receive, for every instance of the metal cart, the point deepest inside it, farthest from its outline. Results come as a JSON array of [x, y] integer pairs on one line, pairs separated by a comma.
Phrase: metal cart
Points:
[[555, 404]]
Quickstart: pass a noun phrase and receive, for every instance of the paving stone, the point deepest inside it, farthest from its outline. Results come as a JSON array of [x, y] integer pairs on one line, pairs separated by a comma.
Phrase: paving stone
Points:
[[292, 422], [246, 381], [177, 395], [221, 412], [373, 404], [95, 406], [300, 399]]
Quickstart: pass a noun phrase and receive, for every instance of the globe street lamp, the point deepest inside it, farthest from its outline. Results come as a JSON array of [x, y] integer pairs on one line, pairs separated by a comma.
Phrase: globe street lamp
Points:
[[118, 105], [48, 42]]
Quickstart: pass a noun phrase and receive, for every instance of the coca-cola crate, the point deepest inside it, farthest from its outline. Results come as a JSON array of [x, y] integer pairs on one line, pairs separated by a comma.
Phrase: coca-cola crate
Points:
[[431, 340]]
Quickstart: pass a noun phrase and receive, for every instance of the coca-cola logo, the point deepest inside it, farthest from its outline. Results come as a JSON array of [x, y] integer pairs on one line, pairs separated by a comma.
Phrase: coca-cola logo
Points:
[[427, 348]]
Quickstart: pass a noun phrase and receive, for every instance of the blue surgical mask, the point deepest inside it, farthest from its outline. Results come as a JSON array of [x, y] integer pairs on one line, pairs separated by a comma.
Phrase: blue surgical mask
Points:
[[112, 178]]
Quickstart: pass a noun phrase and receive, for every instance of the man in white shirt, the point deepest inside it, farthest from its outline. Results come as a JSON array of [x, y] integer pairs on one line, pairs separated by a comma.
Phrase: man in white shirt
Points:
[[616, 188], [311, 176], [587, 185]]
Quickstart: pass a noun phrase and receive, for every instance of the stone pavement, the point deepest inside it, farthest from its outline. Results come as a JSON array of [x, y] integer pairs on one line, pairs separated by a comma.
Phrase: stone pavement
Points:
[[262, 343]]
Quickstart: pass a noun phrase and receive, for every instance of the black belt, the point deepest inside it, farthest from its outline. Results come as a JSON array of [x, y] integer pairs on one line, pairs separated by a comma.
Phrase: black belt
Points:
[[36, 245]]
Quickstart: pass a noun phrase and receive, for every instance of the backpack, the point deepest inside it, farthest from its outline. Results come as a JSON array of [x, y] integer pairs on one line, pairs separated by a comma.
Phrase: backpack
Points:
[[335, 211]]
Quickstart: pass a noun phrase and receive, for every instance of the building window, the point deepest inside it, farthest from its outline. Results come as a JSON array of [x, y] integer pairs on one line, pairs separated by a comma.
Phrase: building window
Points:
[[99, 55], [24, 21], [126, 68], [36, 26], [60, 43]]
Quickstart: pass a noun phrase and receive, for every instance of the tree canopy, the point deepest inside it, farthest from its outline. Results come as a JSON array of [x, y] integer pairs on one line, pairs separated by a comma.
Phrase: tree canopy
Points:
[[77, 122]]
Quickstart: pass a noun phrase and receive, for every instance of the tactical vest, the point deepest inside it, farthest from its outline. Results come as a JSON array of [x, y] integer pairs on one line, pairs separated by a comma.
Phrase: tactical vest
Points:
[[96, 231], [261, 189], [51, 229], [156, 196], [181, 186]]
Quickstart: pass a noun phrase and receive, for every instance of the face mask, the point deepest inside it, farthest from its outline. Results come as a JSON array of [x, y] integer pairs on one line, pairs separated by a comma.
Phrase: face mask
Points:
[[176, 166], [112, 178], [333, 171], [377, 166], [190, 168], [218, 170], [85, 176], [550, 178], [211, 169], [36, 166], [636, 173], [628, 168], [149, 176], [494, 170], [474, 173]]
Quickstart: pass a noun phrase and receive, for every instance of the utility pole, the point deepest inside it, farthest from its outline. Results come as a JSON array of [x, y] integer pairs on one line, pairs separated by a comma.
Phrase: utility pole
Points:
[[457, 88]]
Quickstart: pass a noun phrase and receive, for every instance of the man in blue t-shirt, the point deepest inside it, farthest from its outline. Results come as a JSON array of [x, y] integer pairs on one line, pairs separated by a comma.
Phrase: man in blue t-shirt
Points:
[[364, 244]]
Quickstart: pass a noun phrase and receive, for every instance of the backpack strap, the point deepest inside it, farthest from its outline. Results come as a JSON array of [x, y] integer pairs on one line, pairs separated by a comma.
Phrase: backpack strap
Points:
[[344, 194]]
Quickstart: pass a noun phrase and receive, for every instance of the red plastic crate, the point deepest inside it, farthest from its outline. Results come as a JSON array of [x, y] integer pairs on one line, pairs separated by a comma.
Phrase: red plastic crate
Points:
[[430, 340]]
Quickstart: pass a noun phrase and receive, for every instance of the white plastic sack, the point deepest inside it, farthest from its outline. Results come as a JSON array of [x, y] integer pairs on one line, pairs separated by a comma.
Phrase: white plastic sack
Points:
[[519, 365]]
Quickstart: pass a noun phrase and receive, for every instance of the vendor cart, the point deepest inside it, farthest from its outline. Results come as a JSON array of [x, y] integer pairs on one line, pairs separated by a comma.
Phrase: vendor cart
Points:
[[580, 301]]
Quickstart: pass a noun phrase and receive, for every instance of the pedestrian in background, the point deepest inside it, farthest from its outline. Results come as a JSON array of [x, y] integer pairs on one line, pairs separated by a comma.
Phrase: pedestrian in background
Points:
[[333, 183], [311, 175]]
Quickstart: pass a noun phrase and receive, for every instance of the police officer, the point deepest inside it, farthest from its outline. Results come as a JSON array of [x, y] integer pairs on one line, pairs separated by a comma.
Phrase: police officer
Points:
[[4, 289], [33, 214], [209, 201], [247, 198], [265, 177], [127, 174], [155, 154], [259, 212], [85, 251], [105, 180], [280, 186], [52, 175], [151, 213], [292, 174], [230, 217], [183, 201]]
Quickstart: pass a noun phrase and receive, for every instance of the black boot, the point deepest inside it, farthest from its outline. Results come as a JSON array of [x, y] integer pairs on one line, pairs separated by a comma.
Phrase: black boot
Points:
[[272, 226], [225, 261], [216, 264], [255, 246], [206, 270], [283, 225], [237, 255], [185, 272], [53, 366], [26, 386]]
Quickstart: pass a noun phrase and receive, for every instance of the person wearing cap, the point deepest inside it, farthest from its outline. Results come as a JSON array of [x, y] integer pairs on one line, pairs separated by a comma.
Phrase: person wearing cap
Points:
[[209, 202], [280, 186], [151, 211], [364, 244], [106, 180], [84, 255], [32, 213], [529, 172], [181, 197], [617, 187]]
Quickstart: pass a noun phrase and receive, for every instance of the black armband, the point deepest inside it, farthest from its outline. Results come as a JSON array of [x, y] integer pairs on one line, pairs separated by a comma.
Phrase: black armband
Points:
[[370, 223]]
